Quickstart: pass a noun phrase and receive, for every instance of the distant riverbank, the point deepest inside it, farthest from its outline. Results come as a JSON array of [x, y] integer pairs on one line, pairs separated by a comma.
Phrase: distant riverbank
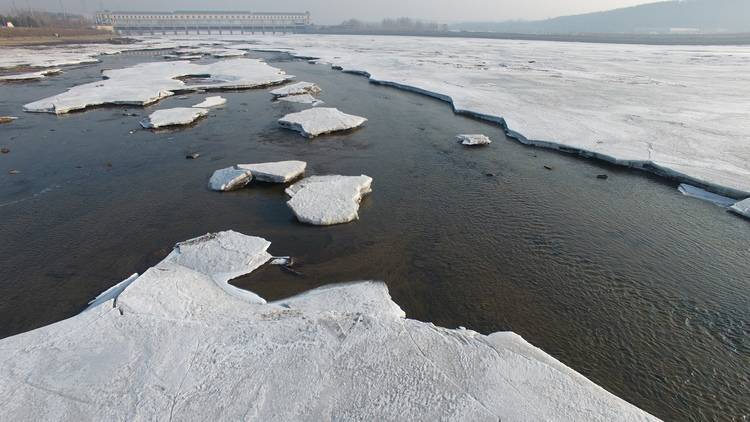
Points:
[[12, 37]]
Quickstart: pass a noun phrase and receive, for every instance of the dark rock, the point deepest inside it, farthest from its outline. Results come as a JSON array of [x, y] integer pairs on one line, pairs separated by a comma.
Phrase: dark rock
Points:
[[602, 177], [4, 150], [192, 156], [548, 167], [13, 172]]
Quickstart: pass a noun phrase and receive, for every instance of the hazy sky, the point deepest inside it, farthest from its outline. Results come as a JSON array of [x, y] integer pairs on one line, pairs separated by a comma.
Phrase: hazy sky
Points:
[[334, 11]]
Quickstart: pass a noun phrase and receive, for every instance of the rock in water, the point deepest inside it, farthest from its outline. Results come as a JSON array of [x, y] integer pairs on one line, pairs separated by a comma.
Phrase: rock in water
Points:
[[473, 140], [229, 179], [299, 88], [278, 172], [317, 121], [328, 200], [179, 116], [302, 99], [180, 343], [210, 102], [742, 208]]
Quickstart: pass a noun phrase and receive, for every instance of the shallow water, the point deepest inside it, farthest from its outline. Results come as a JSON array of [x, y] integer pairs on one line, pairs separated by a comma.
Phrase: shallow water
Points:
[[637, 287]]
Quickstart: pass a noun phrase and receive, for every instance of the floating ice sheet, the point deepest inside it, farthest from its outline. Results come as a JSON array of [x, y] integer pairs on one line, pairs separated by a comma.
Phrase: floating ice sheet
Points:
[[696, 192], [742, 208], [147, 83], [328, 200], [276, 172], [210, 102], [318, 121], [180, 343], [302, 99], [229, 179], [298, 88], [178, 116], [473, 140], [30, 76]]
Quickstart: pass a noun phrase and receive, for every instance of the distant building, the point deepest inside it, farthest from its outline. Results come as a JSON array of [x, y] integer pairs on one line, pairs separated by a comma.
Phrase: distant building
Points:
[[202, 22]]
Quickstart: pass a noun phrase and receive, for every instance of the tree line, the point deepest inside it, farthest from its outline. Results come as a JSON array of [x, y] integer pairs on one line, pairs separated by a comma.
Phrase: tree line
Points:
[[35, 19], [397, 24]]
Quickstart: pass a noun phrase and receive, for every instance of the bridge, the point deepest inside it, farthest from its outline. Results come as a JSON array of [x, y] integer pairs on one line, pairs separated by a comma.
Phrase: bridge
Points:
[[202, 22]]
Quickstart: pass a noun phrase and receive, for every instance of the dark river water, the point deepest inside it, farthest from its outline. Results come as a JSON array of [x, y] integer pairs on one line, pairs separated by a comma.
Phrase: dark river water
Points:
[[642, 290]]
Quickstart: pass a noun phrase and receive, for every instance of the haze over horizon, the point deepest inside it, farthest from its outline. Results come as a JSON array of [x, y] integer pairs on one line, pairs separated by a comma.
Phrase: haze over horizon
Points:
[[335, 11]]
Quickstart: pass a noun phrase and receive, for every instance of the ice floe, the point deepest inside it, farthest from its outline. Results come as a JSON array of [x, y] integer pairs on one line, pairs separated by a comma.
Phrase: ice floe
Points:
[[210, 102], [30, 76], [679, 111], [229, 179], [696, 192], [147, 83], [302, 99], [298, 88], [328, 200], [742, 208], [7, 119], [178, 116], [180, 343], [473, 140], [276, 172], [318, 121]]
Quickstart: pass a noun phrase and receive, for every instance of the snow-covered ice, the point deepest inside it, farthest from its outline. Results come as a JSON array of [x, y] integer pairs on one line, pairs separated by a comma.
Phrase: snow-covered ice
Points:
[[742, 208], [30, 76], [210, 102], [473, 140], [696, 192], [298, 88], [147, 83], [302, 99], [178, 116], [318, 121], [328, 200], [680, 111], [276, 172], [179, 343], [229, 179]]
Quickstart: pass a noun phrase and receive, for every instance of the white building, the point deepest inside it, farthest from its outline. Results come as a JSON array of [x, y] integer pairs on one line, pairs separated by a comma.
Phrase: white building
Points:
[[202, 22]]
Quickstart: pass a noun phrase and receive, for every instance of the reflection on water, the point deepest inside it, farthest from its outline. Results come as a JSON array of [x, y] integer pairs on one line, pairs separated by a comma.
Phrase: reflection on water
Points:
[[635, 286]]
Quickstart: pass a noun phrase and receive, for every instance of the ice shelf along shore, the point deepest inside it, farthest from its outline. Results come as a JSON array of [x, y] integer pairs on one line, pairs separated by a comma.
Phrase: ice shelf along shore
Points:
[[320, 121], [180, 343], [147, 83], [679, 111]]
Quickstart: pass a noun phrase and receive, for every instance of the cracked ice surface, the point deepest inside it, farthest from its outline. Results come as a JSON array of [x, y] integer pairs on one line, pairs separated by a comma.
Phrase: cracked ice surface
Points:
[[175, 344], [328, 200], [298, 88], [174, 117], [210, 102], [277, 172], [473, 140], [318, 121], [229, 179], [681, 108], [147, 83], [742, 208]]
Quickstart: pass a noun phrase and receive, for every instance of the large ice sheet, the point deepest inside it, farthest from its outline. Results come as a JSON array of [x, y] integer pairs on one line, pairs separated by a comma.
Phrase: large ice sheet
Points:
[[147, 83], [328, 200], [674, 110], [177, 343], [319, 121]]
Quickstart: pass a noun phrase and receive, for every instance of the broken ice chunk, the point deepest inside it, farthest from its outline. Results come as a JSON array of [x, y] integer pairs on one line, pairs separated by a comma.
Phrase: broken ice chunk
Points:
[[296, 89], [229, 179], [278, 172], [31, 75], [318, 121], [210, 102], [696, 192], [742, 208], [7, 119], [173, 117], [473, 140], [328, 200]]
